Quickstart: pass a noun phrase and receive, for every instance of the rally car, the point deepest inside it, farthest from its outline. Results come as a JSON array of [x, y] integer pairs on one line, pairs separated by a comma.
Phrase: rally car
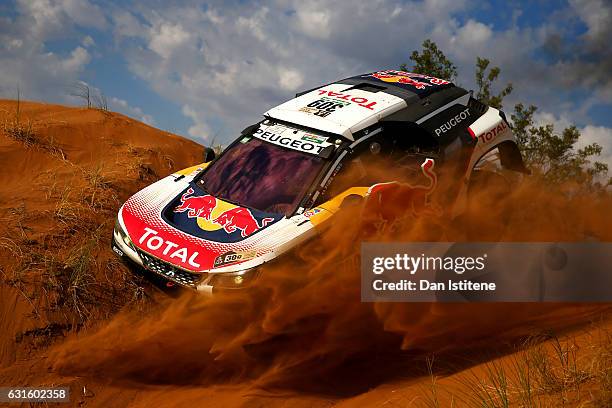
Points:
[[213, 225]]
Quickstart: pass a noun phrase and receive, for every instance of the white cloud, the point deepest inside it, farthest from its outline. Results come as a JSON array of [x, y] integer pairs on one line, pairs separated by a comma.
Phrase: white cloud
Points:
[[230, 62], [313, 19], [126, 25], [14, 43], [39, 74], [588, 134], [84, 13], [472, 36], [79, 57], [545, 118], [121, 105], [167, 37], [597, 15], [45, 75], [603, 137], [199, 130], [45, 17], [50, 18], [253, 24], [289, 79], [227, 62], [25, 61]]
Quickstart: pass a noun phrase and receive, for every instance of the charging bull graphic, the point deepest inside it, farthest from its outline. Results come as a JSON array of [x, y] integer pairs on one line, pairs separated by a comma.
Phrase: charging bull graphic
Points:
[[427, 169], [242, 219], [231, 220], [390, 200], [409, 78], [196, 206]]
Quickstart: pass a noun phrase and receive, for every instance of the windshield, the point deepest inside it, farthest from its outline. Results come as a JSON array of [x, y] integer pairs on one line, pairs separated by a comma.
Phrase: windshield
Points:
[[263, 176]]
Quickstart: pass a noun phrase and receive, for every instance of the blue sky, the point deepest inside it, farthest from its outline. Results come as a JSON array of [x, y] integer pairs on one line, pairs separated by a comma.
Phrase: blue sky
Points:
[[207, 69]]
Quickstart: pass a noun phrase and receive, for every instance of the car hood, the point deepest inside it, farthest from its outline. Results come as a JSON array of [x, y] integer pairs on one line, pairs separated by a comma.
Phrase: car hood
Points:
[[177, 222], [205, 216]]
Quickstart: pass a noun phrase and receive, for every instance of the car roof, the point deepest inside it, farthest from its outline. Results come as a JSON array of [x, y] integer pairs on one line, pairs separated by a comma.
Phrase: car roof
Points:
[[363, 100]]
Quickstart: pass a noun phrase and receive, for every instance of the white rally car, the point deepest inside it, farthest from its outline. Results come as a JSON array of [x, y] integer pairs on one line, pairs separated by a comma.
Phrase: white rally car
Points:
[[212, 226]]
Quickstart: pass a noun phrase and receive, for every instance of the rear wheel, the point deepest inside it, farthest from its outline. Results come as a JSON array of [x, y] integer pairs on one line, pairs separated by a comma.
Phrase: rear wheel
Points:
[[487, 213]]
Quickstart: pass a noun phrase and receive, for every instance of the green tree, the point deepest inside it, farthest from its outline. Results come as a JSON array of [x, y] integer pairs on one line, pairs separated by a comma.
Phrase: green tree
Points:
[[431, 61], [551, 155], [484, 82]]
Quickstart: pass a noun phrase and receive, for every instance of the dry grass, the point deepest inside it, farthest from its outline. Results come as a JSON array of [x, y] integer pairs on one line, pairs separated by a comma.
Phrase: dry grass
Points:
[[56, 249], [430, 393], [43, 336], [545, 372], [20, 130], [169, 161], [99, 186], [556, 367], [139, 169], [602, 370], [69, 269], [67, 211], [26, 134], [80, 267], [25, 131], [132, 149], [95, 176], [490, 390], [12, 247]]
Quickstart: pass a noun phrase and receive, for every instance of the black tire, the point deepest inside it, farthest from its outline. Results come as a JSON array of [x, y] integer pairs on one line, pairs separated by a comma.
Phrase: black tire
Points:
[[487, 214]]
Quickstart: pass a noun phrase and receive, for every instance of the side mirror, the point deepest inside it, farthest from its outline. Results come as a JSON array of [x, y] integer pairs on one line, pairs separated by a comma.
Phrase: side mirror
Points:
[[209, 155], [327, 152], [249, 129]]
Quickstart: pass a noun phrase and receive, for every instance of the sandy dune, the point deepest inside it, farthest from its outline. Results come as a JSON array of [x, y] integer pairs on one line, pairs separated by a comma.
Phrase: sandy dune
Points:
[[72, 315]]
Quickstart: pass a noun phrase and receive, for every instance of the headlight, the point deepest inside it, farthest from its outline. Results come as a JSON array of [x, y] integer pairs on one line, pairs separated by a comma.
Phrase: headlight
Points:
[[122, 234], [233, 280]]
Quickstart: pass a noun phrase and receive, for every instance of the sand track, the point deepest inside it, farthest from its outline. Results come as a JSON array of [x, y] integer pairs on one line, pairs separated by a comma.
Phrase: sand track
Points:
[[72, 315]]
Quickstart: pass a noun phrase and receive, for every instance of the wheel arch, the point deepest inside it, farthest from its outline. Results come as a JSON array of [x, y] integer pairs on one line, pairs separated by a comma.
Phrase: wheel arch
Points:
[[510, 157]]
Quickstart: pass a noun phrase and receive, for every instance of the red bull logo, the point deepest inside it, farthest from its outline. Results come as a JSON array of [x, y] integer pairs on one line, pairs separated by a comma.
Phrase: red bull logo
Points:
[[427, 169], [408, 78], [242, 219], [419, 196], [196, 206], [213, 214], [394, 198]]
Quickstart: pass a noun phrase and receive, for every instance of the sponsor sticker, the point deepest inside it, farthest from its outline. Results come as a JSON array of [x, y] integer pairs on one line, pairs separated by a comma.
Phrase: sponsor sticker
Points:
[[324, 107], [292, 139], [452, 122], [345, 99], [233, 257], [117, 251], [158, 245], [409, 80], [310, 213], [492, 133], [231, 218], [314, 138]]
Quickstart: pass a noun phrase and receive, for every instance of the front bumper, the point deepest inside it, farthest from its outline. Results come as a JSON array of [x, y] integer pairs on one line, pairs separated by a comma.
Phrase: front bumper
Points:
[[194, 281], [201, 282]]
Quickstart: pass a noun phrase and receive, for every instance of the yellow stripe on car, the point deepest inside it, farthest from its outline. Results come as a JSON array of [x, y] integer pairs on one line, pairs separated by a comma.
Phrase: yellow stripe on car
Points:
[[192, 169]]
